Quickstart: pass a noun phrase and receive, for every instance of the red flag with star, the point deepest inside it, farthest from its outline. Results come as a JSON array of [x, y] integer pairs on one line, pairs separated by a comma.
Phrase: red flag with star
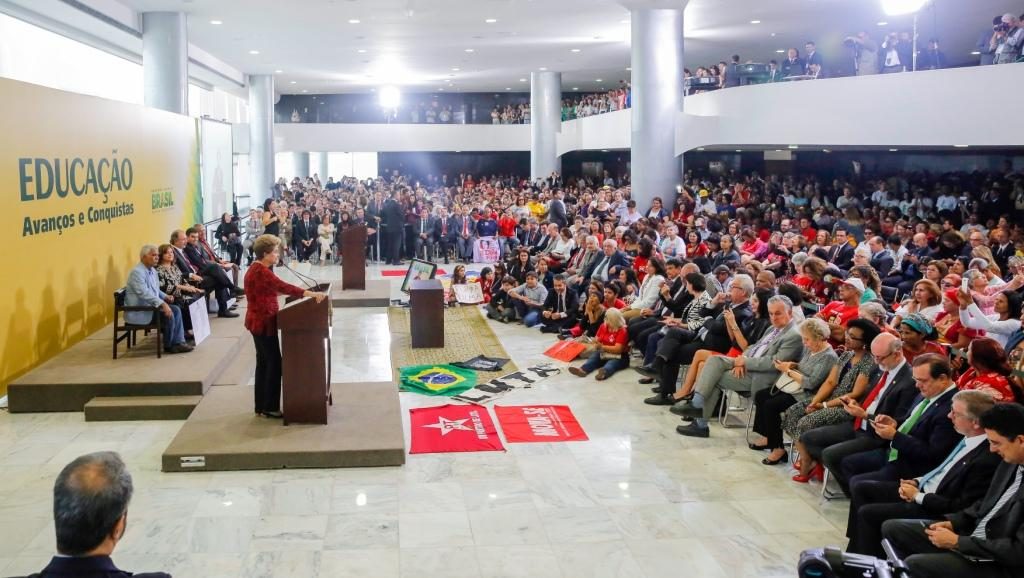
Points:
[[453, 428]]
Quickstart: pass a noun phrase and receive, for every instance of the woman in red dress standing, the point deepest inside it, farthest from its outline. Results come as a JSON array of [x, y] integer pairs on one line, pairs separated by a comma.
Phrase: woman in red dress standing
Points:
[[262, 287]]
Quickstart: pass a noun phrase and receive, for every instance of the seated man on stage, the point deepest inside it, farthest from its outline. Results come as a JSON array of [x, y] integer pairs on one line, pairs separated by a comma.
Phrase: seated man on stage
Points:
[[444, 233], [143, 290], [425, 238], [561, 308], [192, 261], [212, 256]]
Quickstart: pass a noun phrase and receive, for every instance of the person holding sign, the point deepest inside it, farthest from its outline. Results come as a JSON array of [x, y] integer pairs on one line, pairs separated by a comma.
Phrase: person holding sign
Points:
[[262, 287]]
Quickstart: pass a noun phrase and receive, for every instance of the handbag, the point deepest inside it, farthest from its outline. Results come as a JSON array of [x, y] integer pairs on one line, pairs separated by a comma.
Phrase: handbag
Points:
[[787, 384]]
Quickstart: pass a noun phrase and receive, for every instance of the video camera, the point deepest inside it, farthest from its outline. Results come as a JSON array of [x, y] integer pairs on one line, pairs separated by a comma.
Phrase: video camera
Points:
[[1001, 27], [834, 563]]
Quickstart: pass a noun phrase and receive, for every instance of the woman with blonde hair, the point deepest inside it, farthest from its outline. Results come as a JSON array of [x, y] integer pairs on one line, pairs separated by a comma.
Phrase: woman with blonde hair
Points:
[[611, 352]]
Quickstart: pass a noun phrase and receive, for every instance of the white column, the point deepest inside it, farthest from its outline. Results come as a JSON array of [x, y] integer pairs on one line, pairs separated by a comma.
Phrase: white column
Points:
[[545, 123], [321, 167], [261, 137], [657, 99], [165, 61], [300, 161]]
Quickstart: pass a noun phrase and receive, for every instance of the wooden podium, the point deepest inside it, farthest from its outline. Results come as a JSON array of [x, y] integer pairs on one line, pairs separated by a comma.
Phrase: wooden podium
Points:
[[353, 254], [426, 316], [305, 327]]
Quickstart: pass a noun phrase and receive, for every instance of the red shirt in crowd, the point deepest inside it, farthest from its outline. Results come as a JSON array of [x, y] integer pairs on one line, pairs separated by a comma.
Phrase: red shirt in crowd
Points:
[[506, 226], [997, 386], [606, 337], [838, 313], [261, 290]]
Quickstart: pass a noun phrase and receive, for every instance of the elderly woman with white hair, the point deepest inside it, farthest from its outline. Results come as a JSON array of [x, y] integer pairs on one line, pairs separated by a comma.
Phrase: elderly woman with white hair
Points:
[[809, 373], [611, 350]]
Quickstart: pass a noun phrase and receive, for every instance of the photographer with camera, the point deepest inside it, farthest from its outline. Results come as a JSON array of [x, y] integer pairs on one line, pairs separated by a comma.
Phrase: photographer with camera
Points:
[[1007, 38], [865, 53], [896, 54]]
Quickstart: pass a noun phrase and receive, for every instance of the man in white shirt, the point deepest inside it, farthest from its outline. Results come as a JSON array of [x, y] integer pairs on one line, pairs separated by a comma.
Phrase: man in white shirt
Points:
[[631, 216], [705, 206], [946, 202], [961, 479]]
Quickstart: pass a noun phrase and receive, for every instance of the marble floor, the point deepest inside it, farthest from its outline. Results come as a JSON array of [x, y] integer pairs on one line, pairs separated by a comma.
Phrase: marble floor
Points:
[[637, 500]]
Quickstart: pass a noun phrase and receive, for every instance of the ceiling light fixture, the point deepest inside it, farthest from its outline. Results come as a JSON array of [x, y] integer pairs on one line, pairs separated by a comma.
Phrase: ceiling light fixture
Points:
[[883, 23], [739, 150], [522, 80], [542, 68], [975, 53], [575, 88], [254, 52], [216, 22], [278, 71], [491, 20], [960, 146], [755, 21], [292, 82], [470, 50], [353, 21], [629, 69], [508, 88], [599, 80], [780, 51], [898, 7], [456, 69], [793, 147], [361, 51], [894, 150], [574, 50], [304, 90]]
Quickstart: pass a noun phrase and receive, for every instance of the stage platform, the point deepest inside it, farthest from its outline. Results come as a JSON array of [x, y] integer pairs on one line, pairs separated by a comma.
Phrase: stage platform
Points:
[[86, 370], [376, 294], [364, 429]]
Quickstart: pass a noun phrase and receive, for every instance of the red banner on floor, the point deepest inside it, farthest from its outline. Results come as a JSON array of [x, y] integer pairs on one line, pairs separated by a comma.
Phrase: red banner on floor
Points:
[[452, 428], [539, 423]]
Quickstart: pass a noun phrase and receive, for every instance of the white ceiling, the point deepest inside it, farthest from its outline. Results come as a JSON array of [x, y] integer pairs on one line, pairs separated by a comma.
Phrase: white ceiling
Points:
[[417, 43]]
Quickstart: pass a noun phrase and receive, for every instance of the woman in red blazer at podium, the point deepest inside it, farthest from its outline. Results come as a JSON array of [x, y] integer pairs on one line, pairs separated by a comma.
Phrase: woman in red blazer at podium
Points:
[[262, 287]]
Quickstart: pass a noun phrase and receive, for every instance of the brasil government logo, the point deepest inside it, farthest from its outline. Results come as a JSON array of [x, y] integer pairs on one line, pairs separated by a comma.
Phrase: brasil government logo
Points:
[[437, 379]]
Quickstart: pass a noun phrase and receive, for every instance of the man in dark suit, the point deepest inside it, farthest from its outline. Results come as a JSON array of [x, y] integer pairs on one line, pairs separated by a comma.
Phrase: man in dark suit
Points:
[[892, 395], [444, 232], [603, 268], [813, 64], [793, 65], [957, 482], [1002, 250], [392, 221], [841, 253], [671, 301], [424, 231], [90, 499], [986, 539], [304, 236], [561, 307], [556, 210], [464, 227], [374, 210], [679, 346], [881, 257], [531, 235], [919, 441], [191, 261]]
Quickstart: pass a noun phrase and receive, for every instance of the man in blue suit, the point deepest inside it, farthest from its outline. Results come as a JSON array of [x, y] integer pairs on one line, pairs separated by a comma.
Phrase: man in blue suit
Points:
[[921, 439], [143, 290]]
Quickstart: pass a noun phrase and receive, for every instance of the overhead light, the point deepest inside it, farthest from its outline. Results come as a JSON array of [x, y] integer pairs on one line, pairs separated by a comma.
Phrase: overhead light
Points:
[[826, 151], [780, 51], [773, 35], [278, 71], [755, 21], [623, 21], [960, 146], [508, 88], [522, 80], [470, 50], [542, 68], [440, 90], [604, 150], [389, 97], [575, 50], [883, 23], [292, 82], [361, 51], [793, 147], [353, 21], [739, 150], [254, 52], [894, 150], [700, 148], [304, 90], [456, 69], [216, 22], [575, 88], [629, 69], [599, 80], [975, 53], [491, 20], [897, 7]]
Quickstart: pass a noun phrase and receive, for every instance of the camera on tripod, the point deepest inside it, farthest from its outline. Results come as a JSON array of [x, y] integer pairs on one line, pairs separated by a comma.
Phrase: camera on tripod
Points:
[[834, 563], [1001, 27]]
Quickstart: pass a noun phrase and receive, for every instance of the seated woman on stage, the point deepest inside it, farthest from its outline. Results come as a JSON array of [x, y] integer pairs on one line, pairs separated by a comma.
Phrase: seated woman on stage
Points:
[[173, 283], [262, 287]]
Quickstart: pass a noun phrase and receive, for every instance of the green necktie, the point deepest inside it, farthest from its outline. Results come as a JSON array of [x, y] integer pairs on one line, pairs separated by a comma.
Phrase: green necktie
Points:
[[908, 425]]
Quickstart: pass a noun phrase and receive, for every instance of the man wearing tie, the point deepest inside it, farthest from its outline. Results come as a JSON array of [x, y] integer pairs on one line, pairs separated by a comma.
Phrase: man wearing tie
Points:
[[611, 257], [892, 395], [920, 441], [305, 235], [464, 234], [752, 371], [425, 239], [561, 308], [960, 480], [444, 232], [986, 539]]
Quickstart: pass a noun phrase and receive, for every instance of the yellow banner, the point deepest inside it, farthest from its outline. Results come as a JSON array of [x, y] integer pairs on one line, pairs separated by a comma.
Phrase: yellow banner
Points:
[[86, 182]]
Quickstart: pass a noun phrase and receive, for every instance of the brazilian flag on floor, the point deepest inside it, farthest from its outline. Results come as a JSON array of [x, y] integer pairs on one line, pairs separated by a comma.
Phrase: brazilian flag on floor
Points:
[[436, 379]]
